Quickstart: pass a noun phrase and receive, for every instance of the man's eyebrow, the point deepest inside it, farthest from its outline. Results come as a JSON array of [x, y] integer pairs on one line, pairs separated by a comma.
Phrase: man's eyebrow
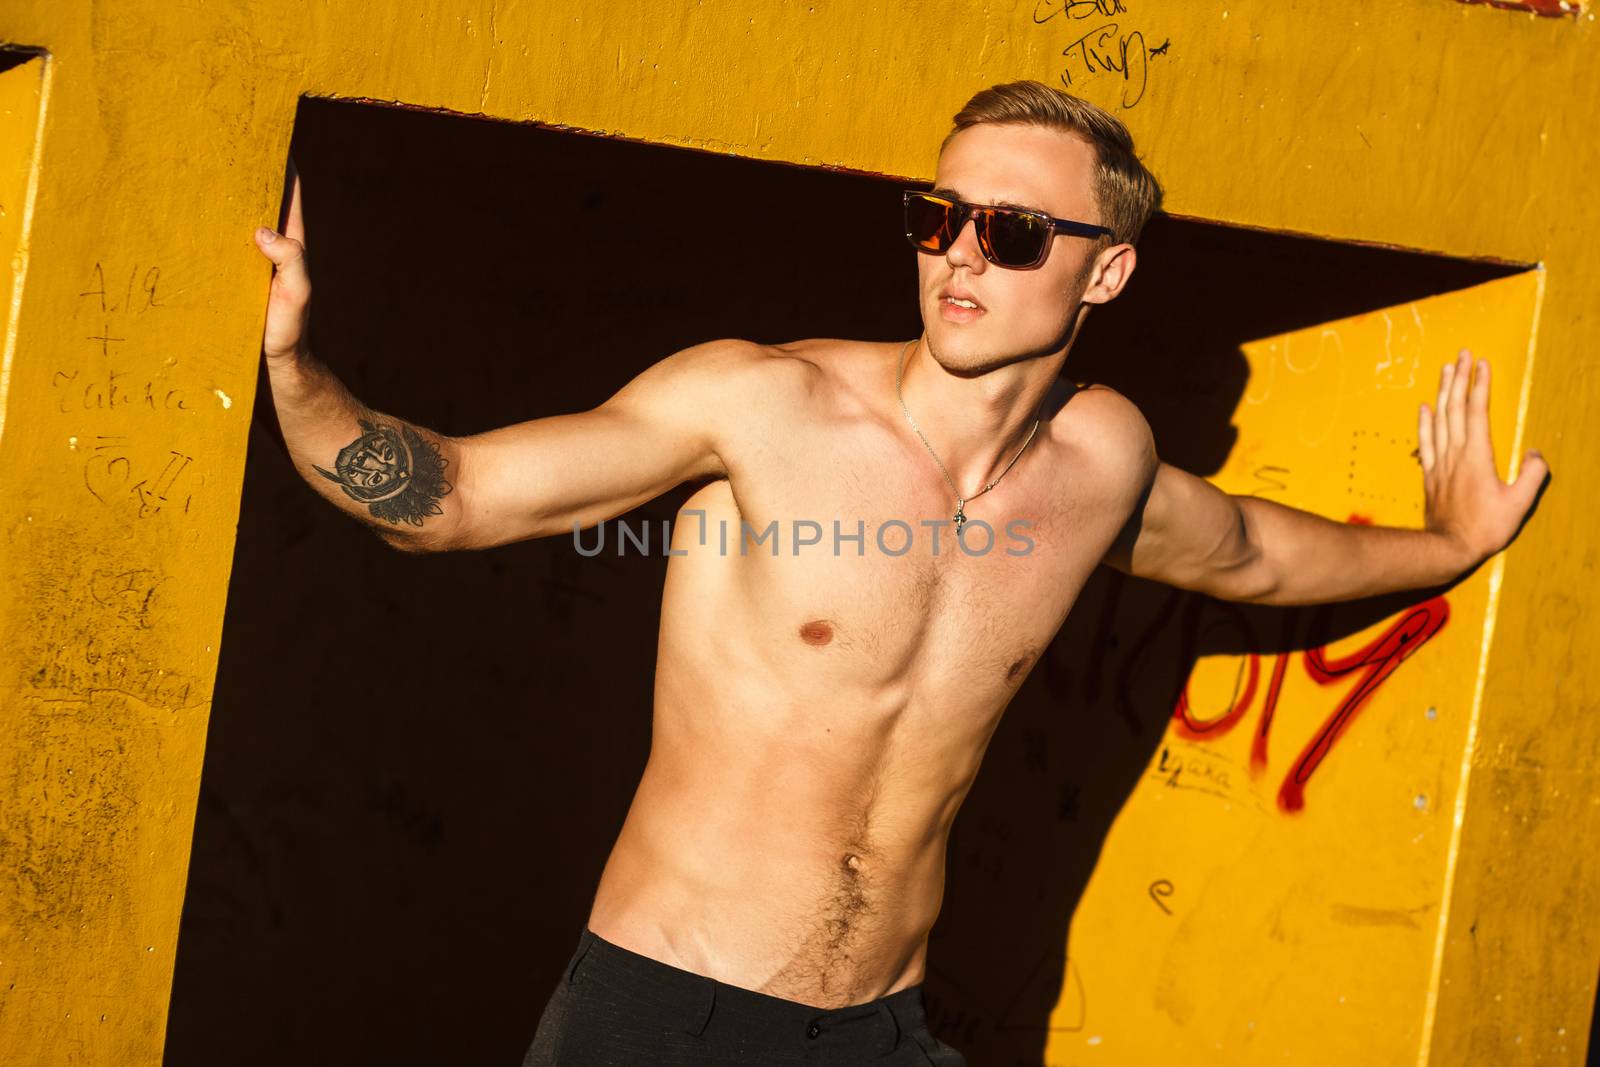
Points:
[[951, 194]]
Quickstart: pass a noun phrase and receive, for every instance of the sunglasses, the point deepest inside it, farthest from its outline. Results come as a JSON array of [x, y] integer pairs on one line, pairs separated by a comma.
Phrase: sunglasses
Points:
[[1007, 236]]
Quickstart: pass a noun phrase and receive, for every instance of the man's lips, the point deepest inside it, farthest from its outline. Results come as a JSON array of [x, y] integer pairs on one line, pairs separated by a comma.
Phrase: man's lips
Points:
[[958, 306]]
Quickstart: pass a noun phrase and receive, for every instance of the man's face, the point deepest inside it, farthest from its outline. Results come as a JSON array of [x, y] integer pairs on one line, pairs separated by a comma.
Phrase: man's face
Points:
[[1019, 313]]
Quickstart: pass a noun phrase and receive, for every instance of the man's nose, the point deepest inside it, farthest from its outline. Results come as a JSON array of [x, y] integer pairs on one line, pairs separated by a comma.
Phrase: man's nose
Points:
[[964, 250]]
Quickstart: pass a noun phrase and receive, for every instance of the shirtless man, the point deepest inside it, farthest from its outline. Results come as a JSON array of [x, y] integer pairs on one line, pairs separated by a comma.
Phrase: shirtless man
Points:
[[821, 708]]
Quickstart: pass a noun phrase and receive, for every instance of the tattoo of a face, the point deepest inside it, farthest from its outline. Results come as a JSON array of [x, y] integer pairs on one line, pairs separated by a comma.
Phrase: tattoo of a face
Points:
[[394, 471]]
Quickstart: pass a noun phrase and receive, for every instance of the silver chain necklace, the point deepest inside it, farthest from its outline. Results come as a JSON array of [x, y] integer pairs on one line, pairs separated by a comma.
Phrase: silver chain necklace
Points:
[[961, 501]]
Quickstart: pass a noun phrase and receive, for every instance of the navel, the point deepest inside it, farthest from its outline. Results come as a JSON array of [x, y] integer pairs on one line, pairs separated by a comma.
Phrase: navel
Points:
[[1018, 666], [816, 632]]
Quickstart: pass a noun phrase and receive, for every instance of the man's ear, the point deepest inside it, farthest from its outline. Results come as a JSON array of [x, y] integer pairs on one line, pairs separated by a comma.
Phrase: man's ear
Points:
[[1110, 273]]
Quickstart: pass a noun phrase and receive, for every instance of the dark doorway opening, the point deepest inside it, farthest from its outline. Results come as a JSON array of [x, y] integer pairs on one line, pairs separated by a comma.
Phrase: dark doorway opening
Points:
[[416, 765], [13, 56]]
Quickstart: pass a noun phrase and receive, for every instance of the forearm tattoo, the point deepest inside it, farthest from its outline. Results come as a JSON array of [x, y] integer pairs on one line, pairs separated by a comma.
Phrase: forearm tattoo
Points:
[[392, 470]]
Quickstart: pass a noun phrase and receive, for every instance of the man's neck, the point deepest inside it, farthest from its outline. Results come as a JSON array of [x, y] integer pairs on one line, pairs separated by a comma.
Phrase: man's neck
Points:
[[975, 425]]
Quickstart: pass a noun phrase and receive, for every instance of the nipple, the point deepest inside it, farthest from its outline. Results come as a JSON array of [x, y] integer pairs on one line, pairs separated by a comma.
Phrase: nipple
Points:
[[816, 632], [1019, 666]]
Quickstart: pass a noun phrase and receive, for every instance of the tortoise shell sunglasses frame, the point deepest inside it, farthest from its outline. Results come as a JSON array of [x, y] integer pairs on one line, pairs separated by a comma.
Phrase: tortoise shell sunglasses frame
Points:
[[1009, 237]]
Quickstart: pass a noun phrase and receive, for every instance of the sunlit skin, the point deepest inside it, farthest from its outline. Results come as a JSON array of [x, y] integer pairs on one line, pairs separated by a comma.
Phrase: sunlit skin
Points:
[[818, 719], [981, 374]]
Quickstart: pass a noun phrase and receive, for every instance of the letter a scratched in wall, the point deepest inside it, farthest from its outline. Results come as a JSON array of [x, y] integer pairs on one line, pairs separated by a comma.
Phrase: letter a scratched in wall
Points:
[[1299, 811]]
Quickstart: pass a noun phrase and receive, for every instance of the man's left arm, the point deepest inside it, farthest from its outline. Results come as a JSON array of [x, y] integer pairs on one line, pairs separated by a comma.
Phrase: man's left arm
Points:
[[1190, 534]]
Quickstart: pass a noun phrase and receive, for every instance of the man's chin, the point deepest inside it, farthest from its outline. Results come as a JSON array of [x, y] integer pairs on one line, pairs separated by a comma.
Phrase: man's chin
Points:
[[965, 347], [983, 346], [963, 355]]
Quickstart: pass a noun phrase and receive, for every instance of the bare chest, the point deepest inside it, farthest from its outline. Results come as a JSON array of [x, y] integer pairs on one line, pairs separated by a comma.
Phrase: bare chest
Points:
[[846, 568]]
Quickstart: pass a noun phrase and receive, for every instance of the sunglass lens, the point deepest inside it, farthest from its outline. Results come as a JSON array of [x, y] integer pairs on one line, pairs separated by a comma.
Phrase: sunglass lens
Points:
[[1015, 239], [928, 223]]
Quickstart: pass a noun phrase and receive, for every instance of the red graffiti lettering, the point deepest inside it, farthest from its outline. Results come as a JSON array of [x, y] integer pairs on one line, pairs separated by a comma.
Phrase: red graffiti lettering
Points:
[[1379, 659], [1373, 663]]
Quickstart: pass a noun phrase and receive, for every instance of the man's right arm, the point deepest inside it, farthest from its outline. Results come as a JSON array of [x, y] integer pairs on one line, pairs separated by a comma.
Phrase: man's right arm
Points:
[[422, 491]]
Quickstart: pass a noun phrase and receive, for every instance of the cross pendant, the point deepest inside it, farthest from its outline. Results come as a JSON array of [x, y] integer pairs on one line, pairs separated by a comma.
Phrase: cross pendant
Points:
[[961, 515]]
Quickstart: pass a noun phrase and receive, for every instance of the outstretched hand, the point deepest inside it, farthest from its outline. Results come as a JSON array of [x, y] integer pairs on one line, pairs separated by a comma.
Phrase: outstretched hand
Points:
[[289, 303], [1466, 500]]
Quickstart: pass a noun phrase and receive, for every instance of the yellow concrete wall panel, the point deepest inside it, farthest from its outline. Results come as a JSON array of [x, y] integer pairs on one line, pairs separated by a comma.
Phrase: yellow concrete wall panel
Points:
[[22, 91], [1237, 922], [1434, 125], [1507, 971]]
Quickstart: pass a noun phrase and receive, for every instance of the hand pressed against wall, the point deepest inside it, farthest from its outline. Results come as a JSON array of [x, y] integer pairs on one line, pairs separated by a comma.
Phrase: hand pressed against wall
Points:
[[1465, 499]]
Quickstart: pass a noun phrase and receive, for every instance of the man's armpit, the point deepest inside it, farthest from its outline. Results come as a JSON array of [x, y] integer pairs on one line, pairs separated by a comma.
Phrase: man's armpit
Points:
[[1120, 554]]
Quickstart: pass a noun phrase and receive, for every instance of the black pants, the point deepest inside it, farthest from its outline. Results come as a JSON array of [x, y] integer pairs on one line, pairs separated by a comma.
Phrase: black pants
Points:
[[615, 1008]]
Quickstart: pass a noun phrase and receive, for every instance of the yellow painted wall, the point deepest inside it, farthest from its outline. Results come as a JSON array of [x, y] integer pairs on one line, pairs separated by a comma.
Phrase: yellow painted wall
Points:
[[21, 93], [1435, 125], [1272, 891]]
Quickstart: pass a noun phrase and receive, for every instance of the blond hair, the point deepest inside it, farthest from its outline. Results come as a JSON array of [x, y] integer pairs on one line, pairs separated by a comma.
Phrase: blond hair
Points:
[[1125, 191]]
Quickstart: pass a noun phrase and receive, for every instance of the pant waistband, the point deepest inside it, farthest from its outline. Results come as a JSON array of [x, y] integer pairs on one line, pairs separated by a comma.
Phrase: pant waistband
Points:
[[708, 1006]]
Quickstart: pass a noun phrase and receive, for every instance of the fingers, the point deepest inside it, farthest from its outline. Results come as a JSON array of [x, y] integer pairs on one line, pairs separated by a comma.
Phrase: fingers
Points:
[[287, 249], [1460, 380], [290, 298], [1525, 489], [295, 226], [1441, 408], [288, 256], [1425, 438], [1461, 413], [1533, 472], [1478, 413]]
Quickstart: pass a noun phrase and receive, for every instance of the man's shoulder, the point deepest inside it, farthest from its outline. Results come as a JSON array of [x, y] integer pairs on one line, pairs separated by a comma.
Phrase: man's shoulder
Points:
[[738, 366], [1107, 429], [1098, 415], [728, 354], [817, 375], [724, 380]]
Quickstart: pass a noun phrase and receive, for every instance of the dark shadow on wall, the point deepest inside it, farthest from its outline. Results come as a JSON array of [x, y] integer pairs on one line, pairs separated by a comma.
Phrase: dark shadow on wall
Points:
[[1593, 1059], [416, 765], [13, 56]]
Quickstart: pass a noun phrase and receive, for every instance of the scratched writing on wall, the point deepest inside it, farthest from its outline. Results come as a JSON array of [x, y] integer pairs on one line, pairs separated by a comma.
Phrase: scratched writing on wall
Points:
[[1105, 48], [125, 469]]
